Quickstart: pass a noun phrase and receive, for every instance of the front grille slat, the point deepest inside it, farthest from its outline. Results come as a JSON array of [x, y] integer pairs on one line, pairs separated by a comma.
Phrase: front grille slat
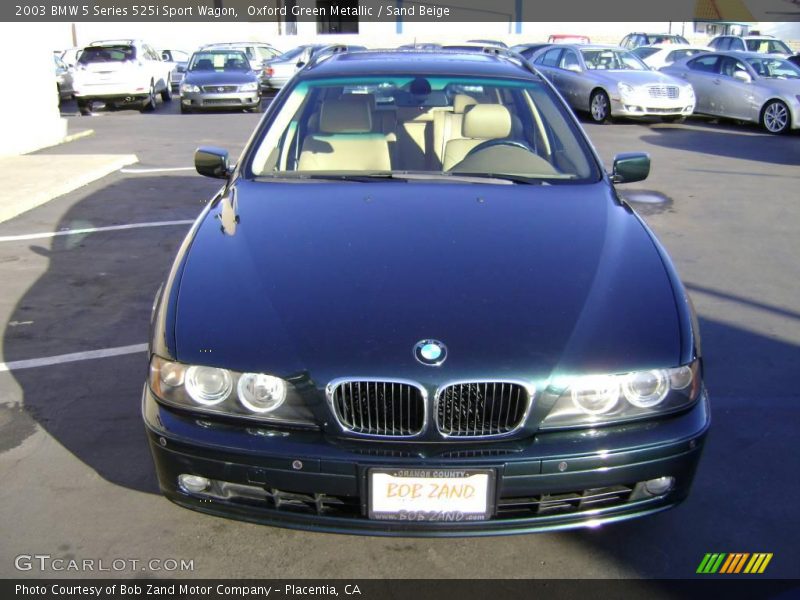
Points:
[[663, 91], [220, 89], [481, 409], [378, 408]]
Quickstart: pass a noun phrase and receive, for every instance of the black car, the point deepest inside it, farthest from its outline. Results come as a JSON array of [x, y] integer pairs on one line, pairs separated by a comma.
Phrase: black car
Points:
[[419, 307], [220, 79]]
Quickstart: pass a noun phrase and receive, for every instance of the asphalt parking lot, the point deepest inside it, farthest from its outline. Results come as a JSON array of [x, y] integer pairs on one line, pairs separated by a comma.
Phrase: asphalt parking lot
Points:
[[78, 478]]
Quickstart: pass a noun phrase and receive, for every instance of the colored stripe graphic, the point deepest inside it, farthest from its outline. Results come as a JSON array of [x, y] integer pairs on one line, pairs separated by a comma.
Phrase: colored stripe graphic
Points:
[[734, 563], [711, 563]]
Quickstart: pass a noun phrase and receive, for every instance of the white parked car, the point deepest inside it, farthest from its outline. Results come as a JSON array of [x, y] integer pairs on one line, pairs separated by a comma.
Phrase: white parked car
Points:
[[764, 44], [662, 55], [119, 73]]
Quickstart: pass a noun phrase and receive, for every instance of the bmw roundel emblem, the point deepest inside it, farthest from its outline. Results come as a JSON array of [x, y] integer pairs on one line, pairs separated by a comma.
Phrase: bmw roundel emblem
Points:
[[430, 352]]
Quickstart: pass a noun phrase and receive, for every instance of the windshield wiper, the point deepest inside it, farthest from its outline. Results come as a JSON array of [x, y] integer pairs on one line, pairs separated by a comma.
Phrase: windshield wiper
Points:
[[505, 177]]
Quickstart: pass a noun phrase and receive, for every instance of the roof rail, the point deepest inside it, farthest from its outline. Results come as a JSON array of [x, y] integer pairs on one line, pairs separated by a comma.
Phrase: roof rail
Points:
[[325, 53], [508, 53]]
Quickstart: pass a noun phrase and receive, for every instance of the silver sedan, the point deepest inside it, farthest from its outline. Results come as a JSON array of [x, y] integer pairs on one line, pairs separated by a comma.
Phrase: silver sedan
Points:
[[610, 82], [760, 88]]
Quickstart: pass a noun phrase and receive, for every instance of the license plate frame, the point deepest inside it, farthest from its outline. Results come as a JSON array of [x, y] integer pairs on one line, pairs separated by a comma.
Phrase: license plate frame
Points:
[[416, 514]]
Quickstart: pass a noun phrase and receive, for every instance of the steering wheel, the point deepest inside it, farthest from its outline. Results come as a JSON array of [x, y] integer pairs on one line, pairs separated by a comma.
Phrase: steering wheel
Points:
[[500, 142]]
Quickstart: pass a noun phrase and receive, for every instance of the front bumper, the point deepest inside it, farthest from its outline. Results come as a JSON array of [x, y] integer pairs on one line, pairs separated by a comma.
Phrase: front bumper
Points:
[[229, 100], [307, 480], [639, 105]]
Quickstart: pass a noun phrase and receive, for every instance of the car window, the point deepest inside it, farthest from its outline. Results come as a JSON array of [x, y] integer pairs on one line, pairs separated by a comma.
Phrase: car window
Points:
[[681, 54], [626, 41], [645, 51], [730, 66], [219, 60], [612, 60], [768, 46], [550, 58], [511, 128], [569, 59], [98, 54], [774, 68], [706, 64], [723, 43]]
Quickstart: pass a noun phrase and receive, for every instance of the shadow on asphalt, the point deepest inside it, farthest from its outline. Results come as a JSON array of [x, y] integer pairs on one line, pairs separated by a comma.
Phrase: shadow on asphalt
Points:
[[744, 142], [97, 292]]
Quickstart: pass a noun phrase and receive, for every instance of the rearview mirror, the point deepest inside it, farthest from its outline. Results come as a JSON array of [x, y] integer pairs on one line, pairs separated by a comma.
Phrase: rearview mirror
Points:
[[630, 167], [212, 162], [742, 76]]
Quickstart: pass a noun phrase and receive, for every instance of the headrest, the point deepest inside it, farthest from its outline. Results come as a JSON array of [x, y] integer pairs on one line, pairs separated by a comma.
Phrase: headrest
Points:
[[204, 64], [348, 114], [487, 122], [461, 102]]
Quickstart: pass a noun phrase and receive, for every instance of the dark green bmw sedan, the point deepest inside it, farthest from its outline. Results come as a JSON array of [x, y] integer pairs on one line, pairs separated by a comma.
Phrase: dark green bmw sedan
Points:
[[417, 306]]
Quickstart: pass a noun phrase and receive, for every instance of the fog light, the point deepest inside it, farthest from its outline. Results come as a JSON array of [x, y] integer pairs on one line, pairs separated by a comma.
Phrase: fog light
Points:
[[194, 484], [660, 486]]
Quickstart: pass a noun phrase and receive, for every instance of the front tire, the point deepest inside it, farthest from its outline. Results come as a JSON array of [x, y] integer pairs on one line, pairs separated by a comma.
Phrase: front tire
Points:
[[149, 103], [185, 110], [85, 107], [255, 109], [600, 107], [775, 117], [166, 93]]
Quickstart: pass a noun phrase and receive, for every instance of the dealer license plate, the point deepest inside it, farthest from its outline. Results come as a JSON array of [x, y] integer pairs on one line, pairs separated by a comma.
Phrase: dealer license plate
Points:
[[442, 495]]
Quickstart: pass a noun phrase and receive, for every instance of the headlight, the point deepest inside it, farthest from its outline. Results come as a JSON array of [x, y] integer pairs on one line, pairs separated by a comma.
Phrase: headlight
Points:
[[599, 399], [188, 88], [625, 90], [249, 87], [224, 392]]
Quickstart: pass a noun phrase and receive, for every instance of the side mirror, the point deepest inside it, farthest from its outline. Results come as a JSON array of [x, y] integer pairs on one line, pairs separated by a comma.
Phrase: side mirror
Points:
[[181, 69], [574, 68], [742, 76], [300, 64], [630, 167], [212, 162]]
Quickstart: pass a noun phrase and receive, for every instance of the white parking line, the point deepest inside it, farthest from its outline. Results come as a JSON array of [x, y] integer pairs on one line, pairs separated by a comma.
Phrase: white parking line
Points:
[[50, 234], [154, 170], [75, 356]]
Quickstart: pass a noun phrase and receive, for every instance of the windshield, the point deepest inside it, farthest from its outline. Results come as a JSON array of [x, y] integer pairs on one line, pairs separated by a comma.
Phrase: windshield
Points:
[[613, 60], [768, 46], [95, 54], [219, 60], [774, 68], [412, 128]]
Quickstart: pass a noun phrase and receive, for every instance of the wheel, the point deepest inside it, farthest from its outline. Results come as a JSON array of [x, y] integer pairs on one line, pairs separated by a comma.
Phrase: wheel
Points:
[[775, 117], [149, 103], [166, 93], [185, 110], [673, 119], [600, 107], [85, 107]]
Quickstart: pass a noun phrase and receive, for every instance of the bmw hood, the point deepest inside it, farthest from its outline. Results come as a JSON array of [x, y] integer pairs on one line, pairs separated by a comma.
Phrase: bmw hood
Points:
[[342, 279]]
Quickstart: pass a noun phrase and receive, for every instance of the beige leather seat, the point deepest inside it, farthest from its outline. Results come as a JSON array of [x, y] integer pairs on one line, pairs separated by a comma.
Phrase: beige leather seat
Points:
[[345, 141], [447, 124], [481, 123]]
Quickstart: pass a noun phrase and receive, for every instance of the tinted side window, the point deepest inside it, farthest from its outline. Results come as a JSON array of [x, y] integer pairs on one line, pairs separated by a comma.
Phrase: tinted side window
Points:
[[550, 58], [625, 43], [731, 66], [569, 59], [706, 64]]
